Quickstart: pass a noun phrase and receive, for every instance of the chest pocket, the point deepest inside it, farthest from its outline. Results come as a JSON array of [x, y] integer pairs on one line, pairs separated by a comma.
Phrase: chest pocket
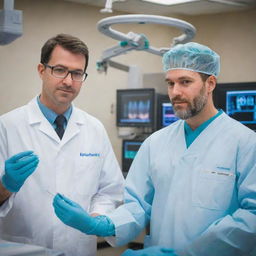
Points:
[[213, 189], [87, 175]]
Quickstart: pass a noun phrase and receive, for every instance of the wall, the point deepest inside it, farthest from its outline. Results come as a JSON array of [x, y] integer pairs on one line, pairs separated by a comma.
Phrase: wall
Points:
[[232, 35]]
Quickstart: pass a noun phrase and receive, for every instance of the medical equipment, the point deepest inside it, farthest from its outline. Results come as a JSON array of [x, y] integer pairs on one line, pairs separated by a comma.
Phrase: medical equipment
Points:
[[192, 56], [133, 41], [108, 5], [238, 100], [10, 23]]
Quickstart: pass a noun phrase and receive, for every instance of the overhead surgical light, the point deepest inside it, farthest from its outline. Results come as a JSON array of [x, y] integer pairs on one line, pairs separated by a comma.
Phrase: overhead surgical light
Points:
[[133, 41], [170, 2]]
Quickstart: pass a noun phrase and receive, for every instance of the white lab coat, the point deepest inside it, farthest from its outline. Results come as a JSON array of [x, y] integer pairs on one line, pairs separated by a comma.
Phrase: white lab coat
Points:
[[201, 200], [81, 166]]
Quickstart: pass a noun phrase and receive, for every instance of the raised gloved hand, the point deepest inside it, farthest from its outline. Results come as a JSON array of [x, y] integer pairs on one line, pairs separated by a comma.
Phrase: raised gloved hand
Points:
[[17, 170], [73, 215], [150, 251]]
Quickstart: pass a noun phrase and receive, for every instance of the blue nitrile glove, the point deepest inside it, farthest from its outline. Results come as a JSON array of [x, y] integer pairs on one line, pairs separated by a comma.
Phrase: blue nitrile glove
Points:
[[150, 251], [73, 215], [17, 170]]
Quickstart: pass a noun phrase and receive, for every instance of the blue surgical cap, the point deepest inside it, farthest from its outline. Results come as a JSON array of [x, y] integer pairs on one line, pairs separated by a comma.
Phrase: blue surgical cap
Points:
[[194, 57]]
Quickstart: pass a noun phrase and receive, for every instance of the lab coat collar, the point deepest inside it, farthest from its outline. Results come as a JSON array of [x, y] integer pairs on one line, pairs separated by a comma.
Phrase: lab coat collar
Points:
[[36, 117]]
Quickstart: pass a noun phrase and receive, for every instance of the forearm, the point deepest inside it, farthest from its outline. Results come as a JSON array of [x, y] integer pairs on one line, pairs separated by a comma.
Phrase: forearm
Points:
[[233, 235], [4, 194]]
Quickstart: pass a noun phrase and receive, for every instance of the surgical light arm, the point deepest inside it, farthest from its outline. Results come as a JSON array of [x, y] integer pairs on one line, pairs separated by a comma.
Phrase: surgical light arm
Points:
[[133, 41]]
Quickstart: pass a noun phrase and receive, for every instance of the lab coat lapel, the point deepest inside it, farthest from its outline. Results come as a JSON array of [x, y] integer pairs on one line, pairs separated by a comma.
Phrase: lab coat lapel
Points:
[[36, 118], [74, 125]]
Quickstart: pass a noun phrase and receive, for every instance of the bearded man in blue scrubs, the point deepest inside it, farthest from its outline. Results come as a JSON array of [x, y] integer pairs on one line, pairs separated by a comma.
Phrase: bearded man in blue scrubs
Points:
[[194, 181]]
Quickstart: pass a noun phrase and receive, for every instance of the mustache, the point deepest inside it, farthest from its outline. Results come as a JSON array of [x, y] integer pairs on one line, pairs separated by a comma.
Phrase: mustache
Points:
[[66, 88], [178, 99]]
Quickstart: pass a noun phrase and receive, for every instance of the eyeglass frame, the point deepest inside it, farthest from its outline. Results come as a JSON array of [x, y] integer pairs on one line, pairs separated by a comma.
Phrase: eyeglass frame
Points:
[[68, 72]]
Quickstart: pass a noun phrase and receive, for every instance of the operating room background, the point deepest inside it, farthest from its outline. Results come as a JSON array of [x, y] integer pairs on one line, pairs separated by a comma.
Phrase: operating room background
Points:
[[232, 35]]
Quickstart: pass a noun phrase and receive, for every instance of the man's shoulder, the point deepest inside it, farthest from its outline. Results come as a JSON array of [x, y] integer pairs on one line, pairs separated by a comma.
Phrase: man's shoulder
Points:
[[235, 127], [14, 115], [167, 132], [237, 132]]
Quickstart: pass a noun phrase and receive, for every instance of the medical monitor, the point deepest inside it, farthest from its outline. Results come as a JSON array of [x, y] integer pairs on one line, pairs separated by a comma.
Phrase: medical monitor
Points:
[[135, 107], [238, 100], [129, 151], [165, 112]]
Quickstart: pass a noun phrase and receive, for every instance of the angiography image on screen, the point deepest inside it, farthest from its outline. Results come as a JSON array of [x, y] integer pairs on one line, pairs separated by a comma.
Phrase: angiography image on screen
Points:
[[135, 107], [136, 110], [241, 105], [168, 116]]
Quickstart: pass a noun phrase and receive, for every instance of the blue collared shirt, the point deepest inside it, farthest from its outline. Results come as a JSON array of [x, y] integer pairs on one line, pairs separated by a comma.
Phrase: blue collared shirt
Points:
[[51, 115]]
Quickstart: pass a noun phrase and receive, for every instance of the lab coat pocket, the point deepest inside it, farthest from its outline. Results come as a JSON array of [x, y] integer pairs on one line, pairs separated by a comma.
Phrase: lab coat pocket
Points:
[[87, 175], [214, 189]]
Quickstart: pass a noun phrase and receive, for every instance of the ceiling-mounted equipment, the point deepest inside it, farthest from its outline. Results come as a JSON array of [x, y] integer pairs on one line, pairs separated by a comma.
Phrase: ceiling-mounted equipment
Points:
[[134, 41], [108, 5], [10, 23], [170, 2]]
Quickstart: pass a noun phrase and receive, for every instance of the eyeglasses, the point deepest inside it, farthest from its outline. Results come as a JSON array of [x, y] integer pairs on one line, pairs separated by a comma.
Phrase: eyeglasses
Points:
[[62, 72]]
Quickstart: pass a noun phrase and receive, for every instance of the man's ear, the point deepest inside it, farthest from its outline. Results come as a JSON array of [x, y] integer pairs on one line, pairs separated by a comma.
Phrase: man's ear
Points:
[[211, 83], [40, 69]]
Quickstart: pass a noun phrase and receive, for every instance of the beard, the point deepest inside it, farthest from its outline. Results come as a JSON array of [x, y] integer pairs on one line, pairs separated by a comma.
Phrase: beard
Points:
[[193, 108]]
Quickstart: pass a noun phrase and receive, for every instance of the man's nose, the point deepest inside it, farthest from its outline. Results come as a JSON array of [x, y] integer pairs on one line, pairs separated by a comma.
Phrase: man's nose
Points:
[[68, 79], [176, 90]]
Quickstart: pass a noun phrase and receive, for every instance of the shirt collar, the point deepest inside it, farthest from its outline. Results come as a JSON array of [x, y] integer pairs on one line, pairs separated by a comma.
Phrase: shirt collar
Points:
[[49, 114]]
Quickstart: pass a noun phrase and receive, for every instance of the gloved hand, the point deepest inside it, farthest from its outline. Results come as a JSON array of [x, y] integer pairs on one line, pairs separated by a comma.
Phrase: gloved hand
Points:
[[17, 170], [150, 251], [73, 215]]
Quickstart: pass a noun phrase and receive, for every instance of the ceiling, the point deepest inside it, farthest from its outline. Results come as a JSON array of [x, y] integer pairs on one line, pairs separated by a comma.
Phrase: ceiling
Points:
[[198, 7]]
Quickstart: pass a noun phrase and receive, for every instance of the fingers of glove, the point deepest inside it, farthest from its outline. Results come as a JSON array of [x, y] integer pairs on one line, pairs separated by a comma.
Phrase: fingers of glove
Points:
[[23, 162], [62, 215], [64, 203], [129, 252], [18, 156], [26, 174], [28, 169], [167, 250], [58, 202], [69, 201], [60, 212]]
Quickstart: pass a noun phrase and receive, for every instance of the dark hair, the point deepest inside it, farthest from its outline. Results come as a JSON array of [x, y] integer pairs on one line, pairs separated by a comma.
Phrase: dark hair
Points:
[[204, 76], [68, 42]]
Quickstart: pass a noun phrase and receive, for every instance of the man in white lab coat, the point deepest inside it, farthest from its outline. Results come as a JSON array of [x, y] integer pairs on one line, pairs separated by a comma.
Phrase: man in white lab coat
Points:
[[49, 146], [193, 181]]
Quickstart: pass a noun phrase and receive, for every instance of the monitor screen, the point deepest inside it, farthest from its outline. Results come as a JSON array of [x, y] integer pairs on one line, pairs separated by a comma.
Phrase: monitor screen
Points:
[[135, 107], [165, 112], [238, 100], [129, 151]]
